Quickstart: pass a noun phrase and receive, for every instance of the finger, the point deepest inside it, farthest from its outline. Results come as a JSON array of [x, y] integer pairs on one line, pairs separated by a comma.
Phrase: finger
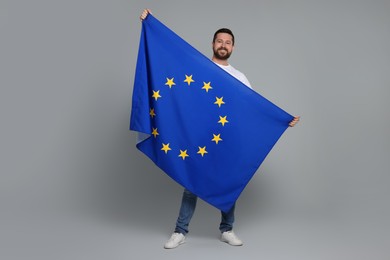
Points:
[[145, 13]]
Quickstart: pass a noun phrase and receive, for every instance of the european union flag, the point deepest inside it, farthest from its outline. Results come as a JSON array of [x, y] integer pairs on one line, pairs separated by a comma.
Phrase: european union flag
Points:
[[208, 131]]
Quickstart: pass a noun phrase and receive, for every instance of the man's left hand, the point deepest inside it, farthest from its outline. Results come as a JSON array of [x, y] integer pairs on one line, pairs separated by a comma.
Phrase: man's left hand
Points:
[[294, 121]]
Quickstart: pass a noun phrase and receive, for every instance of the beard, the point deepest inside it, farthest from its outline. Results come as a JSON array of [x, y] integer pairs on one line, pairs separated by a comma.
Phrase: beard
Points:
[[222, 56]]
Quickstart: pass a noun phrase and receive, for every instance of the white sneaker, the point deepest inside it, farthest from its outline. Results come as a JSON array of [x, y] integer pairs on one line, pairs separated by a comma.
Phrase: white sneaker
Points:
[[175, 240], [231, 238]]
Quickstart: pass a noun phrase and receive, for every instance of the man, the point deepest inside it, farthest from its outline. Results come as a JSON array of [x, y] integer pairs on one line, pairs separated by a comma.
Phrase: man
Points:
[[222, 45]]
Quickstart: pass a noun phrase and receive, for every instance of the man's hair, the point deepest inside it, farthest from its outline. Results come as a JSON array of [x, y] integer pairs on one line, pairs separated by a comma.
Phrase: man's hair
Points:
[[224, 30]]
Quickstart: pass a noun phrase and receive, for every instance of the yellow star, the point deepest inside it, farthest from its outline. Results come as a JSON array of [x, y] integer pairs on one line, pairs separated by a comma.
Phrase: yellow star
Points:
[[155, 133], [189, 79], [216, 138], [170, 82], [202, 150], [183, 154], [222, 120], [151, 112], [206, 86], [219, 101], [156, 94], [166, 148]]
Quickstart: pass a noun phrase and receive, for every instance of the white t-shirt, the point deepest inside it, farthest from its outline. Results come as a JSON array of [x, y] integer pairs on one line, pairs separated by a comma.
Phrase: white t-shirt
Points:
[[235, 73]]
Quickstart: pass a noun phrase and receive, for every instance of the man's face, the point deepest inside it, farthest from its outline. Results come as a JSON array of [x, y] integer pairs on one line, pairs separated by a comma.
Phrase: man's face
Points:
[[223, 46]]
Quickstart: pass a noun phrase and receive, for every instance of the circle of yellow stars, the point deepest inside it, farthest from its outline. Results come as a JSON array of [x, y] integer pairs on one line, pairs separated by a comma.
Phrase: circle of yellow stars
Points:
[[170, 82]]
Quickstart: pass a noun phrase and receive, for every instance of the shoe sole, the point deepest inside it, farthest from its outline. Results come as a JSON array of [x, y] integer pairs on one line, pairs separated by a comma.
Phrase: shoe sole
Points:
[[180, 243], [227, 242]]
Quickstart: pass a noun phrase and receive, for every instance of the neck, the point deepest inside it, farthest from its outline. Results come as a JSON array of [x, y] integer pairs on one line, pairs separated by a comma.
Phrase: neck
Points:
[[219, 61]]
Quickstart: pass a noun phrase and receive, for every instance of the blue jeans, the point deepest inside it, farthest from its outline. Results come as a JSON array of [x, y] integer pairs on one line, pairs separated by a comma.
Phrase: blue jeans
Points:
[[187, 209]]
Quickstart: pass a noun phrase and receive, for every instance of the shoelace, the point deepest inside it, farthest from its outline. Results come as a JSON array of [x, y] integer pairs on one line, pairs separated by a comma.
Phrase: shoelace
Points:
[[174, 236]]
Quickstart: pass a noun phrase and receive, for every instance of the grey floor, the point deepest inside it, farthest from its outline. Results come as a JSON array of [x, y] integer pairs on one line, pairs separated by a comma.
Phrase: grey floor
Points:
[[140, 233]]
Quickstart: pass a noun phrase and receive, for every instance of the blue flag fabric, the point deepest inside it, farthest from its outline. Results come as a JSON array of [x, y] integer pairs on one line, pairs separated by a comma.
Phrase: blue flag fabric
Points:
[[208, 131]]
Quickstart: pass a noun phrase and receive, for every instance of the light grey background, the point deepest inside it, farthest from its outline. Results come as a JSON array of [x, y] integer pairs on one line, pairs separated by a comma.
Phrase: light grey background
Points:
[[73, 185]]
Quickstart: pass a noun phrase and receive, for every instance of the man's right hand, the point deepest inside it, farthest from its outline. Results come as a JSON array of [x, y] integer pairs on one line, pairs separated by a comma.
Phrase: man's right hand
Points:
[[144, 14]]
